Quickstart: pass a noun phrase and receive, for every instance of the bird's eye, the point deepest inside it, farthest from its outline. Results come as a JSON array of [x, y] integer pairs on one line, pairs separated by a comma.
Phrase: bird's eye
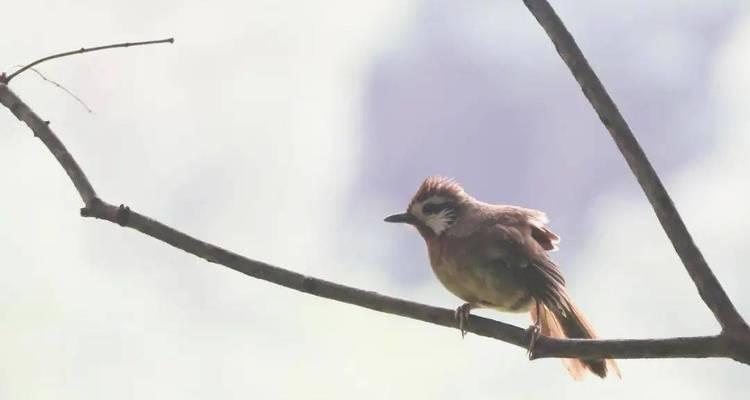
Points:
[[433, 208]]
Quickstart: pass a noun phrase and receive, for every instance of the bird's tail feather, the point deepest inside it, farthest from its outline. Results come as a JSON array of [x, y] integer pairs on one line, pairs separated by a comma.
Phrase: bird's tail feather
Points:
[[572, 324]]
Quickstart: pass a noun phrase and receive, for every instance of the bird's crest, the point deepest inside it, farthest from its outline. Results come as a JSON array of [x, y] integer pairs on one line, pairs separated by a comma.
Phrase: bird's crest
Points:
[[435, 186]]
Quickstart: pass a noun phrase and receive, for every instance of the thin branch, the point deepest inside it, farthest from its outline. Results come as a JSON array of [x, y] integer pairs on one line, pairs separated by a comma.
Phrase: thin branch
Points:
[[84, 50], [63, 88], [711, 346], [708, 286]]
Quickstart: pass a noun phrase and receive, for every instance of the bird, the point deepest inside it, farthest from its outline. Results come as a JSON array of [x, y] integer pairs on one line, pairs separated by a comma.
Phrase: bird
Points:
[[497, 256]]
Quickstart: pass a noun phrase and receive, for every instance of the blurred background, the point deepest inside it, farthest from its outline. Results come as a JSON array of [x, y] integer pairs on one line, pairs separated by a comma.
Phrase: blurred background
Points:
[[287, 130]]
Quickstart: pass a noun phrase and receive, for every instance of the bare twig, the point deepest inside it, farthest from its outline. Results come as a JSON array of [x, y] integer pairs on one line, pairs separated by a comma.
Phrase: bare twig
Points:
[[710, 346], [81, 51], [63, 88], [708, 286]]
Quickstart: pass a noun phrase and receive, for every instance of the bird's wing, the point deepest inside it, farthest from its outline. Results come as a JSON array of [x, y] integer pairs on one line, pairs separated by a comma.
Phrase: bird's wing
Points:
[[538, 220], [545, 237], [527, 218], [515, 248]]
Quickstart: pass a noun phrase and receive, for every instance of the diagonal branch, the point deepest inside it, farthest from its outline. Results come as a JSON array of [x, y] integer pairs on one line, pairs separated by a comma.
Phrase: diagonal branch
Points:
[[708, 285], [709, 346]]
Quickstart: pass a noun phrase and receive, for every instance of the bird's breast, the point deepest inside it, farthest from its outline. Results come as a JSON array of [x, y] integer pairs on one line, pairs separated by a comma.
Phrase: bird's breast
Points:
[[476, 279]]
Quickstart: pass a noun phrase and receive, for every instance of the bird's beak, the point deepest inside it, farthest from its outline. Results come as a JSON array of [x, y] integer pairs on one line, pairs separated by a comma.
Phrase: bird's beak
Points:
[[404, 218]]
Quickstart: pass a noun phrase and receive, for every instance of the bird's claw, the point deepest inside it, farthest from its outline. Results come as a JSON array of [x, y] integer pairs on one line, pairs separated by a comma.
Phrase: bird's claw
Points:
[[534, 331], [462, 316]]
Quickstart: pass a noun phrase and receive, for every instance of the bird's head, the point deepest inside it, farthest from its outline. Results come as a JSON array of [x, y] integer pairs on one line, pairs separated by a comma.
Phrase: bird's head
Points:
[[436, 206]]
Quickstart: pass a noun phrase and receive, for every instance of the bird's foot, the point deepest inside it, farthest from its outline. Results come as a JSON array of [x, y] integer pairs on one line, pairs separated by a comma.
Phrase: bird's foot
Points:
[[534, 331], [462, 314]]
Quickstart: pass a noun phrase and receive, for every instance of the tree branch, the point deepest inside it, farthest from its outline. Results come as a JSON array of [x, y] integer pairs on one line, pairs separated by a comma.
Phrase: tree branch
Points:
[[708, 286], [712, 346], [680, 347], [81, 51], [44, 133], [723, 345]]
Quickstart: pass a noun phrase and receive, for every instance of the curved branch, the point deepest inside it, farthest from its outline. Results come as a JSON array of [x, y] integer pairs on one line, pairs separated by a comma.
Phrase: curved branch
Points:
[[41, 130], [711, 346], [709, 288], [84, 50]]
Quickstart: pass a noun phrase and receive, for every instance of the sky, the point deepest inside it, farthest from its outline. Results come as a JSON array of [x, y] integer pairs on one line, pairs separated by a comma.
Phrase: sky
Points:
[[286, 131]]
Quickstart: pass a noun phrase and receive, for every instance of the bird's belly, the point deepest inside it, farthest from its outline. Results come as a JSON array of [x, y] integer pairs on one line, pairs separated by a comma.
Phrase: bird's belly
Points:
[[494, 287]]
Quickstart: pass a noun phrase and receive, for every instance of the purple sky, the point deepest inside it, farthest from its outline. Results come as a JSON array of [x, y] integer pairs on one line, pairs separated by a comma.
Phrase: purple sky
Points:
[[479, 94]]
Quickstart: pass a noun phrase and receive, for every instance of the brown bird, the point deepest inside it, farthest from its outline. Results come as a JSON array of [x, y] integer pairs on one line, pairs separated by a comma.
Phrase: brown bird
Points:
[[496, 256]]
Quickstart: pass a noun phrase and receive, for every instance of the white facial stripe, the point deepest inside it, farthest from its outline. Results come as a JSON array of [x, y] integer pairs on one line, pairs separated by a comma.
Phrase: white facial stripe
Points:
[[438, 222]]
